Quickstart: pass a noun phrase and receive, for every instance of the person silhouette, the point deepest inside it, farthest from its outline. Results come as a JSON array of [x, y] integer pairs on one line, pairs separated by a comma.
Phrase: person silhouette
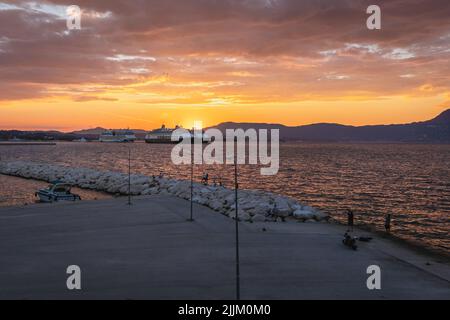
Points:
[[205, 179], [350, 219], [387, 223]]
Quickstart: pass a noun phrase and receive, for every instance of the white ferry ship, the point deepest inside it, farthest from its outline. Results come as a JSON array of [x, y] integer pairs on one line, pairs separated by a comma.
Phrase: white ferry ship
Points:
[[164, 135], [117, 136]]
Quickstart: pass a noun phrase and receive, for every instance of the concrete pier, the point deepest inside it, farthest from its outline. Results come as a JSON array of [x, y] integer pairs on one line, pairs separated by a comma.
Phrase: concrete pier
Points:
[[149, 251]]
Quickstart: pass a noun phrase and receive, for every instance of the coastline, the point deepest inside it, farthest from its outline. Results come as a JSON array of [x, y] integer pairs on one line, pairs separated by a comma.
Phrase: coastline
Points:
[[31, 143], [254, 206]]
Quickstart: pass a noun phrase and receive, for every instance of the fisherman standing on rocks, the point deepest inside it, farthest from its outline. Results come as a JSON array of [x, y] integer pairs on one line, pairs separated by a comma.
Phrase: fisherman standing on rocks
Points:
[[387, 224], [350, 219], [205, 179]]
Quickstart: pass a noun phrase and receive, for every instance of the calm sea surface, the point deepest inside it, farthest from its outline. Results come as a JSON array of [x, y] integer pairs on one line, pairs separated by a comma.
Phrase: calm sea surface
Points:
[[410, 181]]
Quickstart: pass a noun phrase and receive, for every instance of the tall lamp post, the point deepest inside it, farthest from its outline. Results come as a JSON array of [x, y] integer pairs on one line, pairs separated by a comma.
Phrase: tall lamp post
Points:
[[191, 219], [129, 176], [236, 187]]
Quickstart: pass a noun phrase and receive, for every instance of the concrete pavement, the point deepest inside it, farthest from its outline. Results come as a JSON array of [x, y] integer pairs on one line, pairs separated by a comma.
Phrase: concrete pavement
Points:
[[149, 251]]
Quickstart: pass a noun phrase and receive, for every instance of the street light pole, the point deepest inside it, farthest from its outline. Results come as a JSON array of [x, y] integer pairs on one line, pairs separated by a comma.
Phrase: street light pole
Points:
[[129, 176], [236, 187], [192, 175]]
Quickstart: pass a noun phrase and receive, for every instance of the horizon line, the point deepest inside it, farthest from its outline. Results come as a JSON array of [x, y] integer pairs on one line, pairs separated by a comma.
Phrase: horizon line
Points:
[[223, 122]]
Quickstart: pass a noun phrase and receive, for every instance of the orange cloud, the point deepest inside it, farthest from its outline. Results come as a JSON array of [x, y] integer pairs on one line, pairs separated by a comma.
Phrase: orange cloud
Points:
[[227, 57]]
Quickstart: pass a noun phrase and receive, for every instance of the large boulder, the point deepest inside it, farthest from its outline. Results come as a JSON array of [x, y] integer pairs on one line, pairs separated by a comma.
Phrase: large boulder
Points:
[[200, 200], [282, 208], [258, 218], [215, 204], [243, 216], [262, 208], [303, 214]]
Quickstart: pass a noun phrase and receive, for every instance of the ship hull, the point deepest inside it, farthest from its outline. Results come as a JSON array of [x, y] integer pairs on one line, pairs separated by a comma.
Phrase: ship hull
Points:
[[164, 141], [161, 140], [49, 197], [115, 140]]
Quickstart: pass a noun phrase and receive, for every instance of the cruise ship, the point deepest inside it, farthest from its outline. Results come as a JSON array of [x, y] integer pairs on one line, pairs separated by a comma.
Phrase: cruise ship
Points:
[[117, 136], [164, 135]]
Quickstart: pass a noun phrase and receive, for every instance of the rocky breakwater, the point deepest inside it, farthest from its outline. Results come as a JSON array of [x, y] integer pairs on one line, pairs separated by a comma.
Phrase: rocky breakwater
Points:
[[254, 206]]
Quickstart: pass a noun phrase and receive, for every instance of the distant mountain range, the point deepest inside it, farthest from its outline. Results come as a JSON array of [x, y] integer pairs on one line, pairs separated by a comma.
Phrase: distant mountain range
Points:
[[436, 130]]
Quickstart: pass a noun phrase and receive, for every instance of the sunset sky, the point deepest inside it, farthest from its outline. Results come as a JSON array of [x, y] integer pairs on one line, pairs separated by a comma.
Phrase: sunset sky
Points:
[[139, 64]]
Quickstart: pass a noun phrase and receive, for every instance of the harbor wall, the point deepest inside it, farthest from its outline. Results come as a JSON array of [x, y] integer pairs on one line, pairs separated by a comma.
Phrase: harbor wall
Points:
[[253, 205]]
